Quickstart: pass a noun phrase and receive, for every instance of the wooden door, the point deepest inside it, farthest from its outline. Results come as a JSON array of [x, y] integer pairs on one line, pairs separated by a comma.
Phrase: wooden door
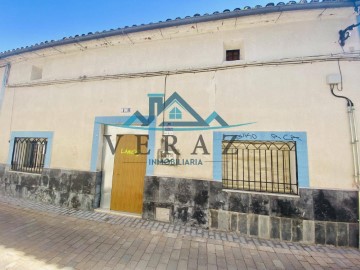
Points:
[[128, 177]]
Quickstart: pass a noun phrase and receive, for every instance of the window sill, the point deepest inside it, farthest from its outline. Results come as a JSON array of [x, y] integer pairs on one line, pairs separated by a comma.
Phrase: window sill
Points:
[[234, 62], [31, 173], [262, 193]]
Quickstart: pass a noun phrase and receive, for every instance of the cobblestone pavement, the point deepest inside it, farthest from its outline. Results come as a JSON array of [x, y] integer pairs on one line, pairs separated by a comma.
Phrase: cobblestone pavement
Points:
[[40, 236]]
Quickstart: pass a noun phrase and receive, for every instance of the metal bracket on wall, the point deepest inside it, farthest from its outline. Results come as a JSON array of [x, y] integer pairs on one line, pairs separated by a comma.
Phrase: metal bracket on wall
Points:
[[345, 34]]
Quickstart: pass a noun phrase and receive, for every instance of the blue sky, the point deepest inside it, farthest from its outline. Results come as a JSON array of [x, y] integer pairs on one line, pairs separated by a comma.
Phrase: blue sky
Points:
[[26, 22]]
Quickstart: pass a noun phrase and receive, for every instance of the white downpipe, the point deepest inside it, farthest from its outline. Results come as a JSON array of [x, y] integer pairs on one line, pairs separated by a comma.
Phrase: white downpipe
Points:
[[356, 142], [356, 138], [355, 145], [356, 154]]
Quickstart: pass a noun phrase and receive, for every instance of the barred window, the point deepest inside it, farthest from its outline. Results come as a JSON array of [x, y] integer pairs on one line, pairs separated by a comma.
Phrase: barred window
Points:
[[29, 154], [232, 55], [263, 166]]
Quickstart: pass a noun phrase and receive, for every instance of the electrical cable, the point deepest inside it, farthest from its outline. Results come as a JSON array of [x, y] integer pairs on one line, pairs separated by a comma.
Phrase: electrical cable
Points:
[[163, 115], [280, 62], [341, 78], [349, 102]]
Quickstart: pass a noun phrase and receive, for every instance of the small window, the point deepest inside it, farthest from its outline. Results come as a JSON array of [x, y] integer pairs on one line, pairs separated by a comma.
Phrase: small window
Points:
[[36, 73], [175, 114], [232, 55], [29, 154], [263, 166]]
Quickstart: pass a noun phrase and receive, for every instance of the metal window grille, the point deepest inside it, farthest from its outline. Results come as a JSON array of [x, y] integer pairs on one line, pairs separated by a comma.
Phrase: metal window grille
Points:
[[232, 55], [263, 166], [29, 154]]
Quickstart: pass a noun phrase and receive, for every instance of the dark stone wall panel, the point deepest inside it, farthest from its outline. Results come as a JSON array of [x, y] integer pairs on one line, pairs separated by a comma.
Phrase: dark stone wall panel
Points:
[[151, 189], [335, 205], [285, 208], [214, 219], [199, 217], [242, 224], [188, 200], [342, 234], [202, 190], [319, 233], [253, 224], [353, 235], [348, 210], [64, 183], [297, 230], [234, 222], [259, 204], [88, 182], [148, 210], [324, 203], [239, 202], [184, 194], [98, 183], [74, 189], [192, 197], [167, 190], [286, 229], [275, 228], [218, 198], [331, 230], [182, 215], [328, 216], [297, 207], [2, 170]]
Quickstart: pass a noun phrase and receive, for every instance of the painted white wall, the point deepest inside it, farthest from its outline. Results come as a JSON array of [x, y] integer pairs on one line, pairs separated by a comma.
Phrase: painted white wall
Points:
[[5, 119], [302, 102]]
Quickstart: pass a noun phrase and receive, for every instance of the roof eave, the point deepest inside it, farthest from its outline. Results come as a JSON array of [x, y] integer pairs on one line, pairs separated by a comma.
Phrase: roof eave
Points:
[[179, 22]]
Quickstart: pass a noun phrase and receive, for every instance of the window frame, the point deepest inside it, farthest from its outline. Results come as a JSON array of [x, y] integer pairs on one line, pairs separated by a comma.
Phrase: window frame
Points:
[[260, 166], [48, 135], [230, 55], [36, 73], [301, 150], [29, 154]]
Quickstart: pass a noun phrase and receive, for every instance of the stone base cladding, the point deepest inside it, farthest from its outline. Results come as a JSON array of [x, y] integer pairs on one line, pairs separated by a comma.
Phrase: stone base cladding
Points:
[[68, 188], [315, 216]]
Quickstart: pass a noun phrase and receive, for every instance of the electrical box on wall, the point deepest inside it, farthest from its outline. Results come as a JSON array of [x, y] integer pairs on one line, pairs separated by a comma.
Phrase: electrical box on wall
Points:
[[333, 79]]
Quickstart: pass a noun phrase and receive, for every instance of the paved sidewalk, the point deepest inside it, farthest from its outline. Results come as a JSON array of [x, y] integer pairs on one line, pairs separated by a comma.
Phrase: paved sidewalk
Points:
[[39, 236]]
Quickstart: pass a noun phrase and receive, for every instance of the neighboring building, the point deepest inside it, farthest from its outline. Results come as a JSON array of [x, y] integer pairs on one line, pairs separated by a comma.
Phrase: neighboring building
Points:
[[263, 147]]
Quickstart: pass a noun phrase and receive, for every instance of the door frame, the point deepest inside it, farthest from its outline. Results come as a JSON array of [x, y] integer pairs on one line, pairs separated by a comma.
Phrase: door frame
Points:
[[100, 157]]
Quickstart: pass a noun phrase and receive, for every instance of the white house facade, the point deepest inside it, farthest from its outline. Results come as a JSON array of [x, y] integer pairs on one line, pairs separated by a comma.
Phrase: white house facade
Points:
[[239, 121]]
